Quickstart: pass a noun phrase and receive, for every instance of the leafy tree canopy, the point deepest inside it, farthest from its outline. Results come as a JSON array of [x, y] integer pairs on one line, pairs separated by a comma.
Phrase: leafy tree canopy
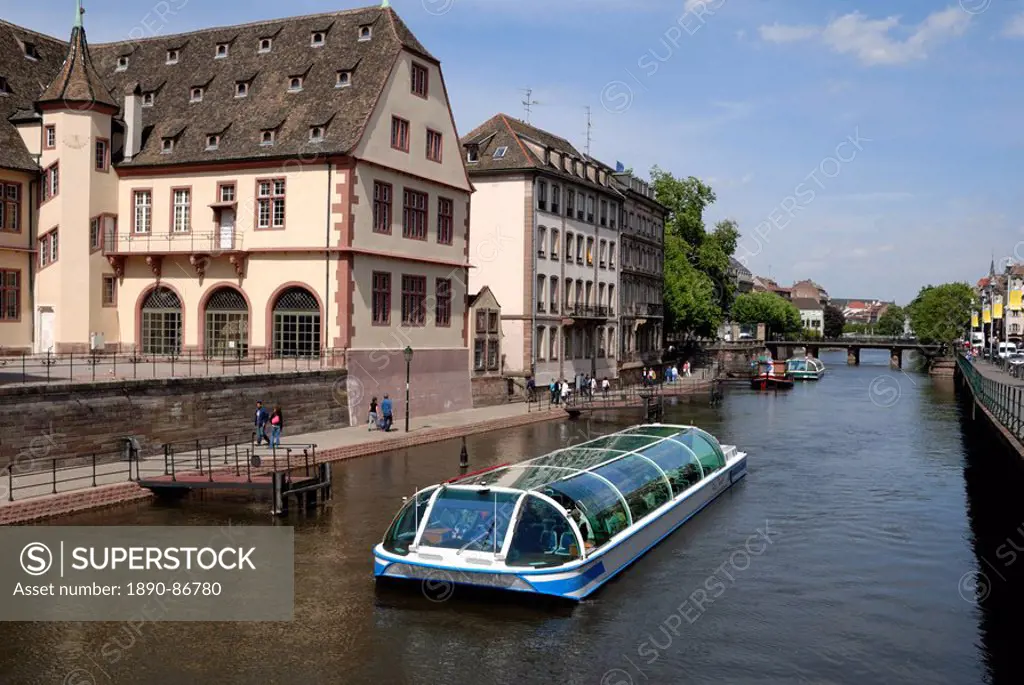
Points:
[[698, 285], [892, 321], [777, 313], [835, 320], [942, 313]]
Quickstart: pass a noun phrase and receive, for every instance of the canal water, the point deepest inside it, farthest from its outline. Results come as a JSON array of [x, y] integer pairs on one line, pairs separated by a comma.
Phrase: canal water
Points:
[[873, 541]]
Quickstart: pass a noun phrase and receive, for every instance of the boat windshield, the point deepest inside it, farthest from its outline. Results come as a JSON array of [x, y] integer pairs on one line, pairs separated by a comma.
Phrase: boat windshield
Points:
[[475, 520], [403, 529], [798, 365], [542, 537]]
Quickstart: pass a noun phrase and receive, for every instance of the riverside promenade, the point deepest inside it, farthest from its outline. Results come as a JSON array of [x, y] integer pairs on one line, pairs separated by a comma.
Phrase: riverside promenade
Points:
[[89, 487]]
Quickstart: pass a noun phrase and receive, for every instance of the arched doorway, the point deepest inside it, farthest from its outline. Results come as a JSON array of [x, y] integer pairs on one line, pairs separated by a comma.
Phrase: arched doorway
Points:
[[227, 324], [296, 331], [161, 322]]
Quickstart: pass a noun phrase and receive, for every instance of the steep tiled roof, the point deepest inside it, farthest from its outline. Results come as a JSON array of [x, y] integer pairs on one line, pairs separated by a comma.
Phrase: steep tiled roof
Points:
[[806, 303], [503, 131], [77, 84], [25, 78], [269, 104], [345, 111]]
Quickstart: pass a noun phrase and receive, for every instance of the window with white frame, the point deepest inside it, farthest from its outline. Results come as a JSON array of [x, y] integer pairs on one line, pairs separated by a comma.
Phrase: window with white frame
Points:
[[143, 200], [182, 202], [270, 203]]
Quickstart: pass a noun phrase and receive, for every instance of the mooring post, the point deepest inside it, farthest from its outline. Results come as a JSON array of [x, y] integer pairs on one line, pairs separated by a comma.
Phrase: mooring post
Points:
[[280, 497], [463, 454], [325, 479]]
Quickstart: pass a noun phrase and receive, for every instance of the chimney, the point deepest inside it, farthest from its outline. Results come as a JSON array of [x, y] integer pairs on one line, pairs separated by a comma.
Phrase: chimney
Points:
[[132, 123]]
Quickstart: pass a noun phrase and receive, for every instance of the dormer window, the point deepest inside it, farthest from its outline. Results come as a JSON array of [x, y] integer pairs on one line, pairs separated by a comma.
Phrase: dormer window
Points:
[[365, 32], [147, 99], [344, 79], [197, 95], [5, 88], [241, 89], [267, 138], [265, 45], [172, 57], [122, 63], [316, 134], [316, 39], [212, 142], [295, 84], [31, 52], [222, 51], [472, 154], [167, 146]]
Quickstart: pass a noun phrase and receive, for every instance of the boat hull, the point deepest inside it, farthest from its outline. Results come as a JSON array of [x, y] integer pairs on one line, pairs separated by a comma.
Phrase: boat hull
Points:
[[584, 577], [805, 375], [770, 382]]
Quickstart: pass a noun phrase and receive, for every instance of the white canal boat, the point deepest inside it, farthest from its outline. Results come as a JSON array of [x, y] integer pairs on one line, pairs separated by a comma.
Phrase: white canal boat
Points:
[[564, 523]]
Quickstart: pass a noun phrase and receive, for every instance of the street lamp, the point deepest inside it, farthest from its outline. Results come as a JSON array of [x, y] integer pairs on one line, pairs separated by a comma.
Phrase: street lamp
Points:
[[408, 363]]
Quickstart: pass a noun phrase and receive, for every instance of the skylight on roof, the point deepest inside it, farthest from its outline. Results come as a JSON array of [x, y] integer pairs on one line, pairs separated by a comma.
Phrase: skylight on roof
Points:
[[31, 52], [365, 32], [500, 152], [5, 88]]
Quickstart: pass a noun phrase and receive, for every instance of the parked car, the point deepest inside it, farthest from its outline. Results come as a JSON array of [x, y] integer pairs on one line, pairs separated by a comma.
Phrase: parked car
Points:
[[1006, 349], [1015, 364]]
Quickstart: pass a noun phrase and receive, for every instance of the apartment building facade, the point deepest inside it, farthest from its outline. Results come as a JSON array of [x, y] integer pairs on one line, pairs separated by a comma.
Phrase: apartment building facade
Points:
[[642, 275], [546, 242], [272, 189]]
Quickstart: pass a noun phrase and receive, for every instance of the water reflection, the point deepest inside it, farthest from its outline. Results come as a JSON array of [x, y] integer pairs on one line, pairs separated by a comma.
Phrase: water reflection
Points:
[[994, 481]]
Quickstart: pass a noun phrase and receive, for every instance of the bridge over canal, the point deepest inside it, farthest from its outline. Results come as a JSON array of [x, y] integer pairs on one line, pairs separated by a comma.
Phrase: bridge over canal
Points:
[[783, 349]]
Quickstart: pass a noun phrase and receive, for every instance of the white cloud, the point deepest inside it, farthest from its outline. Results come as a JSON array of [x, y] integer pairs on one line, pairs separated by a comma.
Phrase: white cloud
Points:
[[872, 41], [1015, 27]]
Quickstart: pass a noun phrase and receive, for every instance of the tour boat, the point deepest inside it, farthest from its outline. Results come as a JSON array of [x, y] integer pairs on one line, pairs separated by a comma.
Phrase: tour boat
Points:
[[768, 379], [562, 524], [805, 369]]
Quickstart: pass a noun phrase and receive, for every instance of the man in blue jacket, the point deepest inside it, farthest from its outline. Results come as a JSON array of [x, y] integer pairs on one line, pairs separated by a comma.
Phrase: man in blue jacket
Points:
[[261, 423], [386, 412]]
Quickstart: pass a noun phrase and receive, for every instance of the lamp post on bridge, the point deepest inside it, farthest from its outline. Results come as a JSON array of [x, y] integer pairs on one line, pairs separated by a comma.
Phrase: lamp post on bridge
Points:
[[408, 363]]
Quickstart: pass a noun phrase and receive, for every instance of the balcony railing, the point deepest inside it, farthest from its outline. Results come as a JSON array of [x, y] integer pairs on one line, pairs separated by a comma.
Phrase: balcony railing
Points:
[[223, 240], [584, 311]]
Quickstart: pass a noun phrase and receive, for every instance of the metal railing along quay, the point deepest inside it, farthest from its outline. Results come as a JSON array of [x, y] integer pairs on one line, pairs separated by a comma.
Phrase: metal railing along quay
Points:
[[27, 368], [230, 455], [1003, 400], [225, 456]]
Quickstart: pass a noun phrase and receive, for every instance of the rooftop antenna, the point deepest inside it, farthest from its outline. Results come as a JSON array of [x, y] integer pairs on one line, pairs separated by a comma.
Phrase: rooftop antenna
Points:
[[589, 128], [529, 102]]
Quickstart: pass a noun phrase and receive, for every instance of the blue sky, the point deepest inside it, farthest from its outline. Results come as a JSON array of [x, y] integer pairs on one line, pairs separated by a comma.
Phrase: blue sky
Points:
[[754, 96]]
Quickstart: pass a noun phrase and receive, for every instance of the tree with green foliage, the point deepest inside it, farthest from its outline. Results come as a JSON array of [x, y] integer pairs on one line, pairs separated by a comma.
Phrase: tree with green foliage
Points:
[[942, 313], [698, 286], [779, 315], [892, 322], [835, 320]]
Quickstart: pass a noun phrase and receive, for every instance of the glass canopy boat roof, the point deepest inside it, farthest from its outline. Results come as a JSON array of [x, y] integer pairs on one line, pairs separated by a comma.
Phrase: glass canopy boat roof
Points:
[[586, 493]]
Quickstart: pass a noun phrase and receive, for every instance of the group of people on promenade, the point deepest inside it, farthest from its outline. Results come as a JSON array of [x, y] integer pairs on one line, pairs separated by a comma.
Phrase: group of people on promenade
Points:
[[383, 416], [268, 425], [561, 391]]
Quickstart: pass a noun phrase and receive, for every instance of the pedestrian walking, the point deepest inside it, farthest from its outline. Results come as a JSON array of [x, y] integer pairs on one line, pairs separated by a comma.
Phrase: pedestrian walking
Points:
[[276, 426], [593, 387], [605, 387], [686, 368], [373, 414], [387, 411], [260, 423], [553, 389]]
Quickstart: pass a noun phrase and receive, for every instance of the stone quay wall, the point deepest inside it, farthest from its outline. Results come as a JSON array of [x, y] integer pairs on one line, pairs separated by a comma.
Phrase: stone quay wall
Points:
[[40, 423]]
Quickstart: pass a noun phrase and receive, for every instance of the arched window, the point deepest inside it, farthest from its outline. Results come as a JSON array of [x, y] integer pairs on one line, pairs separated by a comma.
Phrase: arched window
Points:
[[161, 322], [227, 324], [296, 324]]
